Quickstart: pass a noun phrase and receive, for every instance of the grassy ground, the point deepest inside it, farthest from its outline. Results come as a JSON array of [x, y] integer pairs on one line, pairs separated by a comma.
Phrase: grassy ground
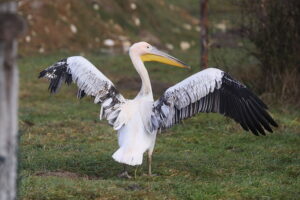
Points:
[[65, 151]]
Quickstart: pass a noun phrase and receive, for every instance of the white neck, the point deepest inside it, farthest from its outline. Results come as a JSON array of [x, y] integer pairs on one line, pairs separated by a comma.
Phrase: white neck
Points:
[[141, 69]]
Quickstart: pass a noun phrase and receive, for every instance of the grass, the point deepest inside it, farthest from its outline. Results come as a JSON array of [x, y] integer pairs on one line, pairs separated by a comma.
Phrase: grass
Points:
[[65, 151]]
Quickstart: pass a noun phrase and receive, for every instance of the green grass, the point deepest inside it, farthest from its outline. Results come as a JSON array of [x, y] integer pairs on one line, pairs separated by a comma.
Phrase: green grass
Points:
[[65, 150], [206, 157]]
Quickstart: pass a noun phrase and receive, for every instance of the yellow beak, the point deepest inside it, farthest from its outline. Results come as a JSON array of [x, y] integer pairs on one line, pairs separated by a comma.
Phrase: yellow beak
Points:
[[159, 56]]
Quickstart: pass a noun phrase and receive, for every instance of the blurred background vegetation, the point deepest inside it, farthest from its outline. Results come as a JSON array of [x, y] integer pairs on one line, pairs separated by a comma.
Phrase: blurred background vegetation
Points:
[[274, 28], [256, 41]]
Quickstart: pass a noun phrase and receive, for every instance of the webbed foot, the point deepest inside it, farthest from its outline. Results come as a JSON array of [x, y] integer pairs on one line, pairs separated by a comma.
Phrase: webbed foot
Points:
[[124, 175]]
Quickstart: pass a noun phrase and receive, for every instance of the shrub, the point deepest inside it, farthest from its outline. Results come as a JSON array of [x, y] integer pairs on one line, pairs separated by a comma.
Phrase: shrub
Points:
[[274, 28]]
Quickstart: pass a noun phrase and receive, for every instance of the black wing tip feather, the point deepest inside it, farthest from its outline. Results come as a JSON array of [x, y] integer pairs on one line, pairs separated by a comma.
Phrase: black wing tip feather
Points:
[[261, 123], [56, 74], [275, 124], [42, 74], [251, 110], [80, 94]]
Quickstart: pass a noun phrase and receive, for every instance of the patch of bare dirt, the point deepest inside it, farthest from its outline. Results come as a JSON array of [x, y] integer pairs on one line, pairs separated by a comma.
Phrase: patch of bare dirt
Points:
[[64, 174], [134, 187]]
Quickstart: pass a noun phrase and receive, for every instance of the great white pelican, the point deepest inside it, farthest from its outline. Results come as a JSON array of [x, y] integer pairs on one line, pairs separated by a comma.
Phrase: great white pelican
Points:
[[138, 120]]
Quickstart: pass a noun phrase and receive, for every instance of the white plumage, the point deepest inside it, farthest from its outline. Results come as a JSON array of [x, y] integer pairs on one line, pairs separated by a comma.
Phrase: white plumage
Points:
[[138, 120], [135, 138]]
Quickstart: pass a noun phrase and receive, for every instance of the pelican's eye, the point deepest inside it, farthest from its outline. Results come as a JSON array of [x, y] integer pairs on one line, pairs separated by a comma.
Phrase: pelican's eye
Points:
[[148, 47]]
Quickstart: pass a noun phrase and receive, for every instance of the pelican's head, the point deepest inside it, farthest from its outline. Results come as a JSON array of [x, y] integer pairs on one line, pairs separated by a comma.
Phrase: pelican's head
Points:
[[149, 53]]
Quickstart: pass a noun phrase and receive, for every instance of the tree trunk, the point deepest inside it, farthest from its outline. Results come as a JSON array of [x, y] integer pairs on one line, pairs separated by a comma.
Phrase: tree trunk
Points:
[[204, 33], [11, 26]]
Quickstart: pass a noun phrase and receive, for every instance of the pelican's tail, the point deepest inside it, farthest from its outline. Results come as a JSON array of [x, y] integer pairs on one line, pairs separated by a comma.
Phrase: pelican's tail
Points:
[[128, 157]]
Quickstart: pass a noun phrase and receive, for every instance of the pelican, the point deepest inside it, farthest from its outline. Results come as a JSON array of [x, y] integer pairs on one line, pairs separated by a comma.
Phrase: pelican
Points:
[[138, 120]]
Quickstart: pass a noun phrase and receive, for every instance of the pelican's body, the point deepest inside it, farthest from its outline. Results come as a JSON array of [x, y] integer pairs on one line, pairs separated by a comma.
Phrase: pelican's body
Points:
[[138, 120], [134, 137]]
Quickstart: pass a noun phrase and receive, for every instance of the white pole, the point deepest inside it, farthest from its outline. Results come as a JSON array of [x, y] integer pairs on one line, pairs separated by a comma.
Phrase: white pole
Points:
[[11, 25]]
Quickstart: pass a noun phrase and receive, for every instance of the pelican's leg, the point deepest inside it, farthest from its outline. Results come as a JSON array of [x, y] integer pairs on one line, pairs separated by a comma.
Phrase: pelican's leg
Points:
[[136, 168], [150, 151], [149, 163], [125, 174]]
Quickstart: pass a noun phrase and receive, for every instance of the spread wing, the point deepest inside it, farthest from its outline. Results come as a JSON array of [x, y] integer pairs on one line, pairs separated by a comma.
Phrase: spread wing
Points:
[[90, 82], [212, 90]]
